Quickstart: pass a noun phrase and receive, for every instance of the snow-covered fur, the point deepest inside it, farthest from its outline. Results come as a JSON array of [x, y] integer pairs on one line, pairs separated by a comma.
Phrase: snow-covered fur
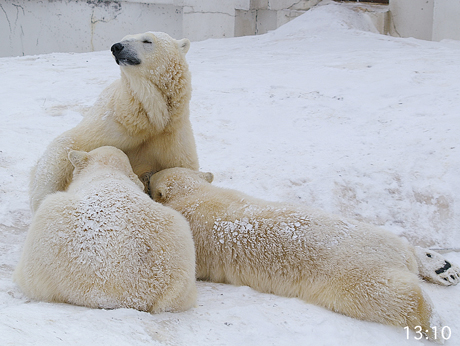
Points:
[[145, 113], [105, 244], [349, 267]]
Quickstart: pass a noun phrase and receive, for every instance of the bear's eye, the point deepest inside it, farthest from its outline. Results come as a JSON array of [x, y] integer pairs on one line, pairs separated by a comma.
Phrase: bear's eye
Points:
[[147, 42]]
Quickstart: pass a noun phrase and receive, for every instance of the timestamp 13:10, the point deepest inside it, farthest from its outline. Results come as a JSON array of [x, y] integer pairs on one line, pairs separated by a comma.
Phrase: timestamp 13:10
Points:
[[444, 332]]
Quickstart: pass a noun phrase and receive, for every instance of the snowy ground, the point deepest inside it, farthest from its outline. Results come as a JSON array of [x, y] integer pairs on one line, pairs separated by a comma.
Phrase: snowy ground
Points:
[[323, 112]]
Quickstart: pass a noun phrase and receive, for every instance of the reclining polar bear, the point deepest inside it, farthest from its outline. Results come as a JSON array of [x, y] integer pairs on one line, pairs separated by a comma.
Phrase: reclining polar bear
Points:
[[105, 244], [349, 267]]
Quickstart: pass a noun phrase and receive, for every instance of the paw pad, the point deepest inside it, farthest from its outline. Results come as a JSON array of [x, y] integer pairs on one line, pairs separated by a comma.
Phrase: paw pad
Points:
[[434, 267]]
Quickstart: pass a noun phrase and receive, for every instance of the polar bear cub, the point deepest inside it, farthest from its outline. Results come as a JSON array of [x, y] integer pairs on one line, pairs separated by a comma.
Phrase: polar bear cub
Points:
[[105, 244], [349, 267], [145, 113]]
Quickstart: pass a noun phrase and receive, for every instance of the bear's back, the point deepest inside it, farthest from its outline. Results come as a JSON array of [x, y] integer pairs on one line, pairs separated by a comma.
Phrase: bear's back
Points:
[[108, 245], [235, 220]]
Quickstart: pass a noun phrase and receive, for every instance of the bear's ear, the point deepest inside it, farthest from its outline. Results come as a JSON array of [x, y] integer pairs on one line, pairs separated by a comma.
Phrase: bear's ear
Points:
[[78, 158], [184, 45], [208, 176]]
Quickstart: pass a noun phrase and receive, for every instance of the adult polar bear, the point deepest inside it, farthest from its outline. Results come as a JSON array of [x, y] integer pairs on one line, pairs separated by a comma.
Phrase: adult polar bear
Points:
[[145, 114]]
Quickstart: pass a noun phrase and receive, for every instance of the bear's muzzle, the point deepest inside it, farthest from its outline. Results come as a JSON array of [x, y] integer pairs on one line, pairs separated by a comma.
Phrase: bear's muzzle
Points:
[[123, 55]]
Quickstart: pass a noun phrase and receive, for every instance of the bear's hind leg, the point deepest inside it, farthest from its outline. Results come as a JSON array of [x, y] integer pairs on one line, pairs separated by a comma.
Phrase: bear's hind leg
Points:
[[433, 267], [389, 297]]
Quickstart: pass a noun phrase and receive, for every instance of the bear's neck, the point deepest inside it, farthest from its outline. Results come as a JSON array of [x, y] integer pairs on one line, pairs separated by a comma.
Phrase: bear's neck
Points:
[[97, 178], [164, 101]]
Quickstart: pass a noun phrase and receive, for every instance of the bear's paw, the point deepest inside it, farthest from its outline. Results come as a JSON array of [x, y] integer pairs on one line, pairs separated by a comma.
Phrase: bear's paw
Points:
[[435, 268]]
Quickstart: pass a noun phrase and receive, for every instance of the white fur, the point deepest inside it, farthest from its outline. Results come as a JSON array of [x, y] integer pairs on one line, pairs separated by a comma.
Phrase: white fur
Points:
[[105, 244], [349, 267], [145, 113]]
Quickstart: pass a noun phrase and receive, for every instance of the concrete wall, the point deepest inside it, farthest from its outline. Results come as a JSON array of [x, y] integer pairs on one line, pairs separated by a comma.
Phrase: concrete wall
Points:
[[263, 15], [45, 26], [36, 27], [446, 20], [425, 19], [413, 18]]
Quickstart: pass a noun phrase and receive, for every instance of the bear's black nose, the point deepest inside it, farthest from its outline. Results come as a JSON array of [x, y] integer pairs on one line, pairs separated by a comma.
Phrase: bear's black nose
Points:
[[117, 48]]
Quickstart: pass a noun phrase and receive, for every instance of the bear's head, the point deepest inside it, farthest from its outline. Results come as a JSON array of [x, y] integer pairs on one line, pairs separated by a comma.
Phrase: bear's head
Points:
[[154, 57], [175, 182], [102, 158], [142, 48]]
